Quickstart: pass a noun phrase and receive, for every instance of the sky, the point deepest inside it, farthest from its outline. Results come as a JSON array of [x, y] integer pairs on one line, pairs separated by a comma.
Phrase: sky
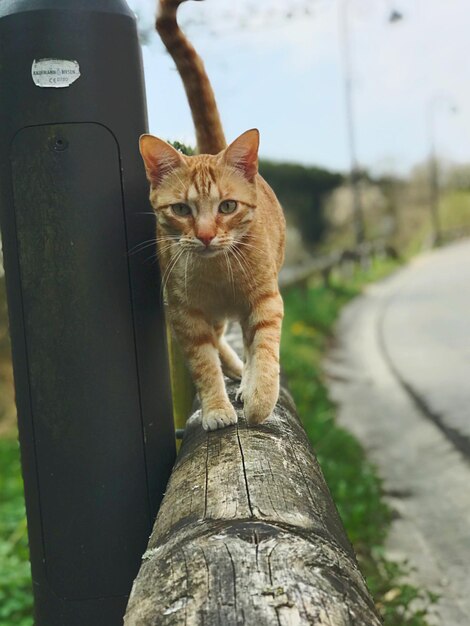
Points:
[[284, 75]]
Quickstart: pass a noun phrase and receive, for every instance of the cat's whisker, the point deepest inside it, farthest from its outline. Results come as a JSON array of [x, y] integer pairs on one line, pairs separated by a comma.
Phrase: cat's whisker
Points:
[[171, 240], [186, 276], [235, 254], [171, 267], [174, 265], [230, 272], [142, 246], [246, 262], [152, 257], [242, 241], [165, 243], [160, 249], [150, 242], [248, 245], [145, 213], [163, 278], [247, 266]]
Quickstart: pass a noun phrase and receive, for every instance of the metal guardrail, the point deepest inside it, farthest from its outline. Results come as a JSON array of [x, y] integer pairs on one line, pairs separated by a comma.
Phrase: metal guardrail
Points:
[[454, 233], [324, 266]]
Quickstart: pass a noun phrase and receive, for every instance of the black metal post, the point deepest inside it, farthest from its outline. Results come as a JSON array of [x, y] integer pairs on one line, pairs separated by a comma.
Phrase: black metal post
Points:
[[92, 386]]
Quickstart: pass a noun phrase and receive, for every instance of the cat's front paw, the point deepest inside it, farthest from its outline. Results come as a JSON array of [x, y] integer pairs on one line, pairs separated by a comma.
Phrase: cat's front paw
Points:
[[259, 403], [219, 418]]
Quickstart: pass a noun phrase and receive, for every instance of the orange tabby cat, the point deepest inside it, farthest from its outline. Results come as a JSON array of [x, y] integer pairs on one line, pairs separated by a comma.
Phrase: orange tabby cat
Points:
[[220, 234]]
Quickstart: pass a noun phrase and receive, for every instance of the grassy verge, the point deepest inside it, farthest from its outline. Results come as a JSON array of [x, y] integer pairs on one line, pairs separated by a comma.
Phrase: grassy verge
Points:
[[353, 481], [454, 209], [15, 575]]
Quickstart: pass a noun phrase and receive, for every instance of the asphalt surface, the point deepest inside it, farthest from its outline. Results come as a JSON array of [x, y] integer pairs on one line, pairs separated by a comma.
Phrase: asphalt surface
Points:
[[400, 375]]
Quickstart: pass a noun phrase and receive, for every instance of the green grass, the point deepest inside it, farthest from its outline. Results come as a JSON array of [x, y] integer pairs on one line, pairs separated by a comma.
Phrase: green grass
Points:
[[353, 481], [454, 209], [15, 575]]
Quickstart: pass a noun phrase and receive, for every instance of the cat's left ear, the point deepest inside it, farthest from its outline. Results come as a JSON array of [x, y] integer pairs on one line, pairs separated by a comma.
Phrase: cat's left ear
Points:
[[243, 154], [159, 158]]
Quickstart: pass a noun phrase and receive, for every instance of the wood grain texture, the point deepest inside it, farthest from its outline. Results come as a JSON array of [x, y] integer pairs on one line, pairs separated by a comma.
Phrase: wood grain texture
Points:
[[248, 534]]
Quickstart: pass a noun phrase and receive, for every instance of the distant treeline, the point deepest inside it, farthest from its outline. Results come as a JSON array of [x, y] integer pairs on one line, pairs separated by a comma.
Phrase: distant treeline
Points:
[[302, 190]]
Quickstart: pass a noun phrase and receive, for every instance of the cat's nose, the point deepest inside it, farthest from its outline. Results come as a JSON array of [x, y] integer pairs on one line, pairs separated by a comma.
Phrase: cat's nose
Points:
[[206, 239]]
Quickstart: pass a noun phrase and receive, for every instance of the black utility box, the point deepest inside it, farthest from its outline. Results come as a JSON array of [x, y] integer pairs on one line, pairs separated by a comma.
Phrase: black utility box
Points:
[[86, 322]]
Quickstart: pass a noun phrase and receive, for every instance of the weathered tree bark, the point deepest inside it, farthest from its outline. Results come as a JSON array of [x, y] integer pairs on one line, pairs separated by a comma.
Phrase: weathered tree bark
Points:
[[248, 534]]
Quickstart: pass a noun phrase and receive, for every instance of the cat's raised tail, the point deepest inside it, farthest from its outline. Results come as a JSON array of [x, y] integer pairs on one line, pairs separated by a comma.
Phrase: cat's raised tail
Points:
[[209, 132]]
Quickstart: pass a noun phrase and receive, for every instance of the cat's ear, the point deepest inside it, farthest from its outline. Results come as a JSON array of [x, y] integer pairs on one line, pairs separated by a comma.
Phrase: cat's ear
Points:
[[243, 153], [159, 158]]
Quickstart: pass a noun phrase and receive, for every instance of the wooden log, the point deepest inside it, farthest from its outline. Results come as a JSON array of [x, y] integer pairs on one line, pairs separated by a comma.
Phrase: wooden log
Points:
[[248, 534]]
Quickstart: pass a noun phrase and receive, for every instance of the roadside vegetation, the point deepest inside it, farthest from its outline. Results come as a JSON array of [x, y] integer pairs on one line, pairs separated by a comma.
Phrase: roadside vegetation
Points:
[[15, 574], [352, 479]]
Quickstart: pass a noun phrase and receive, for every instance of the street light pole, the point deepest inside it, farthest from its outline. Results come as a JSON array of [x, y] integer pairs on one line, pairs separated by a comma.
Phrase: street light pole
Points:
[[434, 186], [358, 215], [433, 179], [348, 73]]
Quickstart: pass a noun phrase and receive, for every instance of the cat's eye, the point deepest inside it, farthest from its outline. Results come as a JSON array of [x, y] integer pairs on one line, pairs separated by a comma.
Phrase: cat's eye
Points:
[[180, 209], [227, 206]]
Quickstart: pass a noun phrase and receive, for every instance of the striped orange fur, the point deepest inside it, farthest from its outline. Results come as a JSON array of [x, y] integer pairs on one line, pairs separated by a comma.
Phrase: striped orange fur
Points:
[[220, 240]]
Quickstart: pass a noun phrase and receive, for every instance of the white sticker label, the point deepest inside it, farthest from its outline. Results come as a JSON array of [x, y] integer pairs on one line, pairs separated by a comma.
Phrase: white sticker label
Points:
[[54, 72]]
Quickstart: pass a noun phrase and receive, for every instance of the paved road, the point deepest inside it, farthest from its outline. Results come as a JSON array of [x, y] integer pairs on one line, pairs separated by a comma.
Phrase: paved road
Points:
[[400, 373]]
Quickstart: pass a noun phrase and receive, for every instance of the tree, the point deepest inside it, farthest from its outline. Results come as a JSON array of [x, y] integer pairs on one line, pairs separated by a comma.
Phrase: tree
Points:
[[302, 190]]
